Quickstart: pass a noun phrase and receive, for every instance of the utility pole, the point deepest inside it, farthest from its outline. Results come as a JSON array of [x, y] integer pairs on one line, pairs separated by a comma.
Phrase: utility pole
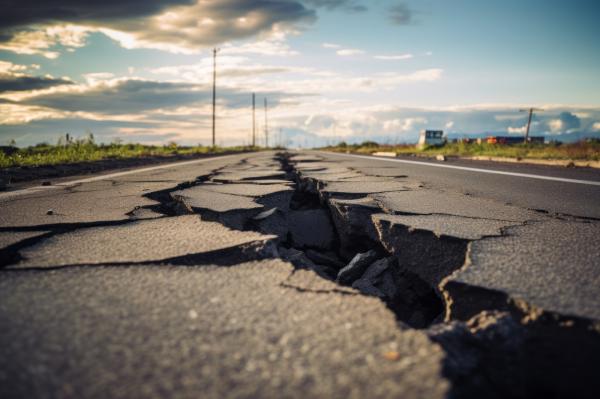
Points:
[[335, 139], [214, 95], [531, 111], [253, 119], [285, 140], [266, 126]]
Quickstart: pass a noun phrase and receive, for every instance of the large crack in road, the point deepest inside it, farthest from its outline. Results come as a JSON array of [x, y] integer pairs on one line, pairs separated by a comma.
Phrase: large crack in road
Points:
[[338, 228], [421, 252]]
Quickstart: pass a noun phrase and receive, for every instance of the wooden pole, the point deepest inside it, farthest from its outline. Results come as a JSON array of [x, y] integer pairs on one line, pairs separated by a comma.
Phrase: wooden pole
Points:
[[214, 96], [266, 126], [253, 119]]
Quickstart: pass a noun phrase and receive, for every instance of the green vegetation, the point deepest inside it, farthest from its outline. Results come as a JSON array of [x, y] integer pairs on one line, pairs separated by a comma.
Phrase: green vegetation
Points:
[[86, 150], [588, 150]]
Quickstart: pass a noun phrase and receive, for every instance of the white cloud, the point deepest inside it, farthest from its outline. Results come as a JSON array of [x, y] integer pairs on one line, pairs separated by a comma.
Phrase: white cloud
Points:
[[183, 28], [409, 123], [323, 118], [331, 45], [392, 125], [15, 114], [555, 125], [394, 57], [188, 28], [7, 67], [319, 122], [274, 45], [449, 125], [93, 78], [42, 41], [404, 125], [349, 52], [237, 70], [596, 127]]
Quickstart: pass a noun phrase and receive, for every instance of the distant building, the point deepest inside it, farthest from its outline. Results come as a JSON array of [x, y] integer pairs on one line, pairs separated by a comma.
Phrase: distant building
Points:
[[513, 139], [431, 137]]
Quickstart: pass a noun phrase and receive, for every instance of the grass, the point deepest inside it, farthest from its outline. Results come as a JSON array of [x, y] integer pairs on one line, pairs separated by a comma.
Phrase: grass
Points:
[[582, 150], [88, 151]]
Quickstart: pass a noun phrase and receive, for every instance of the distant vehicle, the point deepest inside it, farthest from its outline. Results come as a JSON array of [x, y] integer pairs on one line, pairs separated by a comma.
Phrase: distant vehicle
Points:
[[513, 139], [431, 137]]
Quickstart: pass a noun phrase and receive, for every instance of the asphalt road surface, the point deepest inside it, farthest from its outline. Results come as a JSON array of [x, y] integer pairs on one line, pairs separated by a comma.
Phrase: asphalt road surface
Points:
[[578, 194], [304, 274]]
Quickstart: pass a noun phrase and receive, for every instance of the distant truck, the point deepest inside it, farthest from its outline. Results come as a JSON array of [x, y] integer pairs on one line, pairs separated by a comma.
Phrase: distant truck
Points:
[[431, 137]]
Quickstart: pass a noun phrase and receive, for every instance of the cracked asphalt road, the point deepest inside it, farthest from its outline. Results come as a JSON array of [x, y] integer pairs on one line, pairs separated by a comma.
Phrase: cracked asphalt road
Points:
[[205, 331], [216, 278]]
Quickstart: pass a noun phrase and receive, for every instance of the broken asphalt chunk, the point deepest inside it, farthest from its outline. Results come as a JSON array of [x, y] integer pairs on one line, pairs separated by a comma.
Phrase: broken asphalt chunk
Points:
[[248, 175], [373, 281], [550, 266], [364, 187], [356, 268], [296, 257], [521, 360], [427, 202], [352, 219], [200, 198], [308, 280], [301, 261], [247, 190], [73, 205], [447, 225], [253, 337], [422, 252], [155, 240]]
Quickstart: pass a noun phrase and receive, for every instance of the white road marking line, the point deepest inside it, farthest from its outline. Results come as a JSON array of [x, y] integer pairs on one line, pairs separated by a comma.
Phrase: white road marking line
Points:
[[490, 171], [36, 189]]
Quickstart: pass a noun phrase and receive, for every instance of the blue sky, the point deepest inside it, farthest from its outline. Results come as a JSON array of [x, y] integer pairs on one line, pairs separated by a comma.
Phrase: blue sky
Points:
[[331, 69]]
